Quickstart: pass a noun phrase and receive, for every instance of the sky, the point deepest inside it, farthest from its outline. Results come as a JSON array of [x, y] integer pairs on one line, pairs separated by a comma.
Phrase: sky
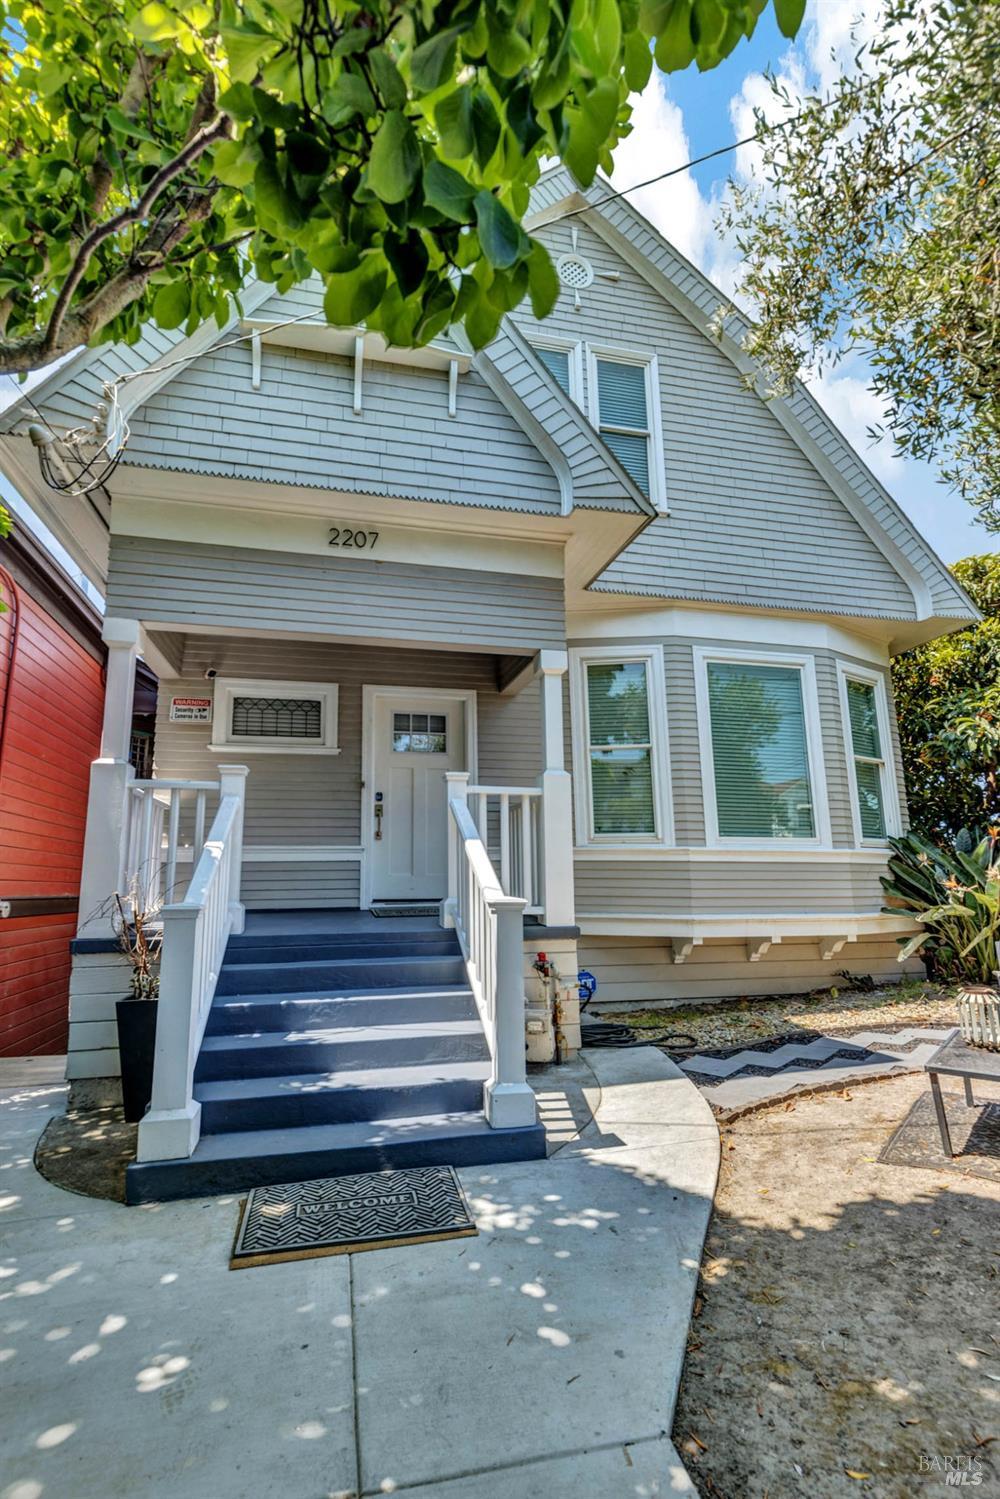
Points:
[[688, 114]]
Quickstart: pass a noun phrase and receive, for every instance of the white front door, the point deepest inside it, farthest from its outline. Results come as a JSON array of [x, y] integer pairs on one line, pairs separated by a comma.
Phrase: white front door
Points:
[[415, 741]]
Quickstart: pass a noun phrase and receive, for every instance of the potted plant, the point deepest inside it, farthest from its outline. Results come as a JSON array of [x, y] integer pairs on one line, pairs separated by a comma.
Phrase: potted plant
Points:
[[140, 941]]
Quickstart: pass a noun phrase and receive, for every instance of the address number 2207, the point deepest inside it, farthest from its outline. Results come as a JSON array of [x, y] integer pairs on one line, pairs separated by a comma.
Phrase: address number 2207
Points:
[[342, 536]]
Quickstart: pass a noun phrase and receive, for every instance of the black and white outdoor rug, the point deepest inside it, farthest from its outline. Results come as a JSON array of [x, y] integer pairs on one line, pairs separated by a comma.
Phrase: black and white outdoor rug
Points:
[[348, 1214]]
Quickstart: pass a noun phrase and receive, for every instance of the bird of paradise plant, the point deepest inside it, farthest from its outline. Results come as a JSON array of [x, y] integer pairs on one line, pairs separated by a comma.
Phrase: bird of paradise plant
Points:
[[955, 896]]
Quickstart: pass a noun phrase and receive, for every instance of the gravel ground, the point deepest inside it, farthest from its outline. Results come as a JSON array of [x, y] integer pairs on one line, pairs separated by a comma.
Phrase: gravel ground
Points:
[[846, 1339], [745, 1021]]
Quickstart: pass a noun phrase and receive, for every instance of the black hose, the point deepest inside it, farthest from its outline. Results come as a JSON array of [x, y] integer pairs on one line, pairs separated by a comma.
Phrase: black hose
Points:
[[607, 1034]]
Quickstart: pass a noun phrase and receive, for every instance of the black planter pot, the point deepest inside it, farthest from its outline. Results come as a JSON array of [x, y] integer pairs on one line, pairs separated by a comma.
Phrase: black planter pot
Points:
[[136, 1048]]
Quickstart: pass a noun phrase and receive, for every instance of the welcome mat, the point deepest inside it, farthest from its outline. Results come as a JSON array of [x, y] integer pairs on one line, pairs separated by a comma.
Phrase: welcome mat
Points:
[[975, 1134], [348, 1214]]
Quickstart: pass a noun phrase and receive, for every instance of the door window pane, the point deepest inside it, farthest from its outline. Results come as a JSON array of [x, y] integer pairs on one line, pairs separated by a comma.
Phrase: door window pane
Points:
[[621, 759], [421, 733], [760, 752]]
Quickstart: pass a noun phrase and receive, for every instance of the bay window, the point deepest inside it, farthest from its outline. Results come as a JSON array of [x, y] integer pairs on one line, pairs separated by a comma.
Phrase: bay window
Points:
[[621, 747], [866, 731]]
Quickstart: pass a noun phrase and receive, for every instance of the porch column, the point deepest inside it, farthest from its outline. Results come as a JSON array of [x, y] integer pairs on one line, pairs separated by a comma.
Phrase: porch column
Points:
[[557, 800], [110, 777]]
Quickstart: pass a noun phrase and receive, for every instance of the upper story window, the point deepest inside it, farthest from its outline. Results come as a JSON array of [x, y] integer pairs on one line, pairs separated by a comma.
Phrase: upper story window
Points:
[[619, 718], [275, 716], [761, 752], [866, 727], [561, 357], [625, 409]]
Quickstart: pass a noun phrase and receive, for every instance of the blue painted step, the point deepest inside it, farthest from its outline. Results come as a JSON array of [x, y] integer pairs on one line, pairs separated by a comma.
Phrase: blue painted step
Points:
[[335, 949], [361, 973], [257, 1158], [252, 1013], [340, 1048]]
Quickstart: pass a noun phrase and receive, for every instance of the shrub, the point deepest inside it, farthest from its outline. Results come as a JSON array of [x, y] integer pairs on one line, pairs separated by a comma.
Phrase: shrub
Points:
[[955, 895]]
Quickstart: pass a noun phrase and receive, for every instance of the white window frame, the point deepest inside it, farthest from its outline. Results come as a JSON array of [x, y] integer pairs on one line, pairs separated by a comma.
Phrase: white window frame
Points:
[[806, 665], [847, 672], [654, 436], [651, 657], [228, 688], [574, 349]]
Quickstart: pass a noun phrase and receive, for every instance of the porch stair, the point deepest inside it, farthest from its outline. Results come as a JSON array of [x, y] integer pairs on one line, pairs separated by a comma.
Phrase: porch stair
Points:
[[329, 1053]]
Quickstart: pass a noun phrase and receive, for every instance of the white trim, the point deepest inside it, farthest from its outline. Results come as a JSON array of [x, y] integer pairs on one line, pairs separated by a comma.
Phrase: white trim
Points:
[[613, 353], [613, 618], [806, 665], [851, 925], [226, 688], [663, 811], [890, 788], [571, 346], [369, 696]]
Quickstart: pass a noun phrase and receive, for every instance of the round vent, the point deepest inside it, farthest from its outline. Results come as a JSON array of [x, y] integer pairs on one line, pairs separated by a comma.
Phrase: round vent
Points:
[[574, 271]]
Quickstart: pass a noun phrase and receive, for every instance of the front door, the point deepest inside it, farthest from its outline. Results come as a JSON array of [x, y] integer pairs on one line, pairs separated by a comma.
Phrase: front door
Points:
[[415, 741]]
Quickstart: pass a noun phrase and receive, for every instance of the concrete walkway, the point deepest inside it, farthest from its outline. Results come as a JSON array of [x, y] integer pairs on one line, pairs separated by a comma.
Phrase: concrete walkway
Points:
[[540, 1360]]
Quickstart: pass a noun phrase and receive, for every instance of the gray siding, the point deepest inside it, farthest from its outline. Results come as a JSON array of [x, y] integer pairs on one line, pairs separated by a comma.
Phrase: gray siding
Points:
[[208, 587], [752, 521], [717, 888], [300, 428], [640, 970], [303, 800]]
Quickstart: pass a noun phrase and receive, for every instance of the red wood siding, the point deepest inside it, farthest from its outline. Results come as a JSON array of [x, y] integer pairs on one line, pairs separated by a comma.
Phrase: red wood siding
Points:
[[51, 698]]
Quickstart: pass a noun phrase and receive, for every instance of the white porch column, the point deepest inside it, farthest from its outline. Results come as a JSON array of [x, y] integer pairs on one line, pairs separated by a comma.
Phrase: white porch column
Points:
[[456, 788], [233, 782], [508, 1100], [557, 799], [110, 777]]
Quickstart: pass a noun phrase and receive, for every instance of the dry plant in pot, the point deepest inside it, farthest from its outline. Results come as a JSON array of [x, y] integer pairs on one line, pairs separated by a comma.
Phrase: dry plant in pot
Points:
[[139, 938]]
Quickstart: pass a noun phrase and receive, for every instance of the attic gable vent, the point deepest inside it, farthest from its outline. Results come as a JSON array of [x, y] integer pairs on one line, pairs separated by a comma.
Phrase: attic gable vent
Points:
[[575, 272]]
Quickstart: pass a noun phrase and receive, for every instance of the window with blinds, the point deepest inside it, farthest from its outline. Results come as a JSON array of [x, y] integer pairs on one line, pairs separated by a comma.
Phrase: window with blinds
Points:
[[620, 748], [623, 415], [760, 751], [556, 361], [869, 760]]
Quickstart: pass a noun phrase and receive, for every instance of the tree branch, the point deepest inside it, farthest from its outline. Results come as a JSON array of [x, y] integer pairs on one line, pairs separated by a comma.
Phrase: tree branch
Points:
[[196, 147]]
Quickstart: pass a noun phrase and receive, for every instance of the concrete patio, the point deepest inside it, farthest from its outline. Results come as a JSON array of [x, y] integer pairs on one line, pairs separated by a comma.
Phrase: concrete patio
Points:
[[540, 1359]]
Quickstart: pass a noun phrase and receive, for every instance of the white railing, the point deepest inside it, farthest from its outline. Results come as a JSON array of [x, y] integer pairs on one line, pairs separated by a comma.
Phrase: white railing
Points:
[[153, 832], [195, 932], [489, 926], [509, 819]]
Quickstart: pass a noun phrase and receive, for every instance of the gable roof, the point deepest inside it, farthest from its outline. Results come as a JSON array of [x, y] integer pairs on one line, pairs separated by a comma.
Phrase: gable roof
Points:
[[936, 594]]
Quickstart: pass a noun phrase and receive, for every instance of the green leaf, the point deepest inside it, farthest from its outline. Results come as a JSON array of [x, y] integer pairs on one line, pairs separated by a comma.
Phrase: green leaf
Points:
[[352, 295], [273, 199], [675, 44], [501, 238], [448, 192], [246, 47], [235, 162], [507, 51], [308, 159], [347, 96], [638, 61], [156, 23], [485, 127], [543, 283], [522, 119], [409, 258], [395, 159], [172, 304], [388, 78], [51, 76], [453, 119], [121, 124], [434, 60], [238, 102], [788, 14], [608, 31]]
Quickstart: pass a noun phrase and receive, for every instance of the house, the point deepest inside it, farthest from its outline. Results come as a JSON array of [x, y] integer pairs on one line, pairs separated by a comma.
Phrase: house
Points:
[[51, 703], [577, 636]]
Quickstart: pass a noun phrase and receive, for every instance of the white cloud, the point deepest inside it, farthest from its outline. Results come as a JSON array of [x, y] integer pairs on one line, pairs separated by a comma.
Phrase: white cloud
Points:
[[658, 142]]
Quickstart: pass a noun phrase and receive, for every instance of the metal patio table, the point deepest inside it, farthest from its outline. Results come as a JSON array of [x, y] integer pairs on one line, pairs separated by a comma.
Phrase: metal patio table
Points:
[[956, 1058]]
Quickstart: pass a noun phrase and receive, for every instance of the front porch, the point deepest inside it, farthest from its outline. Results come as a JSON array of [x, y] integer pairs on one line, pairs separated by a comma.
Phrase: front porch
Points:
[[298, 1032]]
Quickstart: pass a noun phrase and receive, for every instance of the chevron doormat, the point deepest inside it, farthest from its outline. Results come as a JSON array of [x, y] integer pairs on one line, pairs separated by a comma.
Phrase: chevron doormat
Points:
[[348, 1214]]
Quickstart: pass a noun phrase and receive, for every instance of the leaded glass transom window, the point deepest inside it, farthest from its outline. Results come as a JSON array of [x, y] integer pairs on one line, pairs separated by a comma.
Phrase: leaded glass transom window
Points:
[[277, 718], [419, 733]]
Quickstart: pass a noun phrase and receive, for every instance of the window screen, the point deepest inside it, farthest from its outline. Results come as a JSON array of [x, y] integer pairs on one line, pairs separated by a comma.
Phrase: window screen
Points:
[[277, 718], [556, 361], [620, 747], [623, 416], [869, 763], [760, 751]]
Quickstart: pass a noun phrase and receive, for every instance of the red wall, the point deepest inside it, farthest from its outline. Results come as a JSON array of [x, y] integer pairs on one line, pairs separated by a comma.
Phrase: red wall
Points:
[[52, 697]]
